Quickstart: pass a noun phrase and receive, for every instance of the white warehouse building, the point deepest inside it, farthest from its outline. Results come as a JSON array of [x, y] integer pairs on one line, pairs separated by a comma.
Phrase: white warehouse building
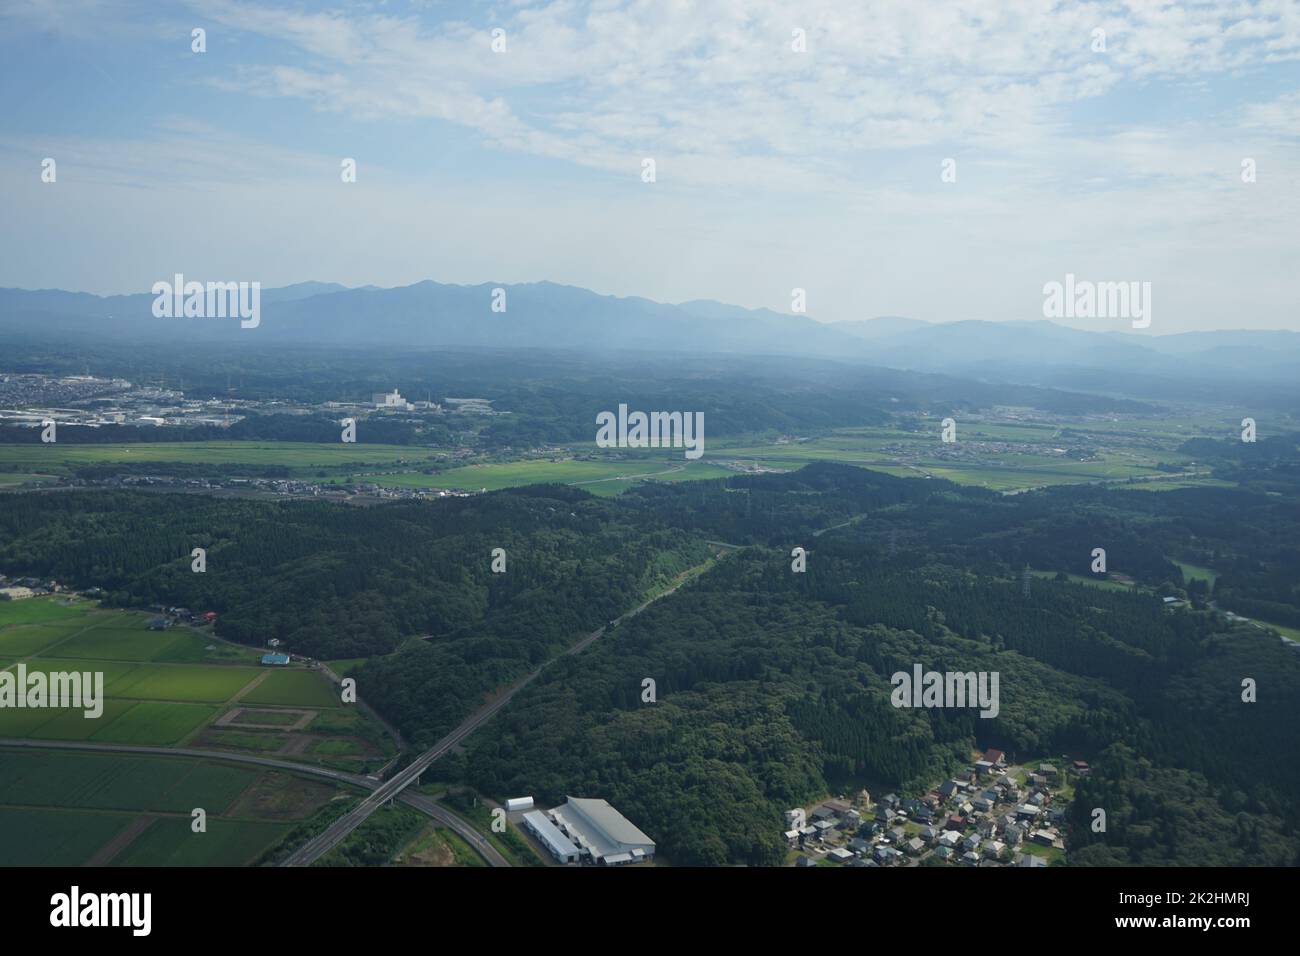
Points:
[[559, 846], [604, 833]]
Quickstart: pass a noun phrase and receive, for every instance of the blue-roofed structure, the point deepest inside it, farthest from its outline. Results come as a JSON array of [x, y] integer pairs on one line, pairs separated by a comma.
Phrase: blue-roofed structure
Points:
[[275, 658]]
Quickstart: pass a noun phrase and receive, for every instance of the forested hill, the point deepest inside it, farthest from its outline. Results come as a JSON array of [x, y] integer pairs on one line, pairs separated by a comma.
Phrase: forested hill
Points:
[[772, 685], [771, 690], [334, 581]]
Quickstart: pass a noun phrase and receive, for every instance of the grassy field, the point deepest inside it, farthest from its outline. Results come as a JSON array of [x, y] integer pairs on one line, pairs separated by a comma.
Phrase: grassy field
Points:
[[10, 478], [161, 687], [1194, 572], [1086, 579], [295, 688], [65, 809], [1006, 451], [59, 458], [124, 641], [511, 844], [592, 475], [40, 611], [154, 723], [171, 842], [22, 640], [118, 782], [434, 846], [43, 837]]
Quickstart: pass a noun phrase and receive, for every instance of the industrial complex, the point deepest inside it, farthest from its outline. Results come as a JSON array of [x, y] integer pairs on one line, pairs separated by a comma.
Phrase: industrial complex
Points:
[[584, 830]]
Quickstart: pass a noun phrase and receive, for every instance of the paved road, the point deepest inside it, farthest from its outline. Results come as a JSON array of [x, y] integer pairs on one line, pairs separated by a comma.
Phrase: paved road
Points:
[[327, 839], [424, 804]]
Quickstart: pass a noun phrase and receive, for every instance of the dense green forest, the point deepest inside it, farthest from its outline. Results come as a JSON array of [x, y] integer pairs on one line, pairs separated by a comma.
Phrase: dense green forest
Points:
[[772, 686]]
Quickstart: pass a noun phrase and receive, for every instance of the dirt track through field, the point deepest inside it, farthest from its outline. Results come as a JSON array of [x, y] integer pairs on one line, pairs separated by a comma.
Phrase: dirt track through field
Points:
[[105, 854]]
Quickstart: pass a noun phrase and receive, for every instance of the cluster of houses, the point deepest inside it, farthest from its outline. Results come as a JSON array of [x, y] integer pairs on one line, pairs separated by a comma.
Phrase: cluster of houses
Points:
[[981, 817], [179, 615], [17, 589]]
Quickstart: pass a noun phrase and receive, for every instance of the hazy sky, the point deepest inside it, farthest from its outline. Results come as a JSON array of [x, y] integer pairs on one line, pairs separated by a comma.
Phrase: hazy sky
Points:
[[775, 169]]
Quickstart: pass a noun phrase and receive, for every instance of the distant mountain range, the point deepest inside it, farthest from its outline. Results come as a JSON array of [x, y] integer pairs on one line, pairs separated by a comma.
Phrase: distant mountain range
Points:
[[430, 315]]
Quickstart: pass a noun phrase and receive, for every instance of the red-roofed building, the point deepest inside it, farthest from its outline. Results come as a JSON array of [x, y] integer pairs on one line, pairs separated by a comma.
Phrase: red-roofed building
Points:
[[209, 617], [995, 757]]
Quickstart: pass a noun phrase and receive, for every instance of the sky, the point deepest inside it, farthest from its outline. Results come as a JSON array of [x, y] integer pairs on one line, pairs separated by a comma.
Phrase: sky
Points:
[[795, 146]]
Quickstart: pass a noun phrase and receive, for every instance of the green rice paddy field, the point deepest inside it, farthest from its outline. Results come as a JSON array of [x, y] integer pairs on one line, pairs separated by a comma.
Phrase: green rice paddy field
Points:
[[56, 459], [1006, 453], [66, 809], [160, 687]]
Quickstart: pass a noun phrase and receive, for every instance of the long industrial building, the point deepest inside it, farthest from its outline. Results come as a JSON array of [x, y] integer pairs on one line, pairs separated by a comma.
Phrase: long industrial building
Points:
[[602, 832], [560, 846]]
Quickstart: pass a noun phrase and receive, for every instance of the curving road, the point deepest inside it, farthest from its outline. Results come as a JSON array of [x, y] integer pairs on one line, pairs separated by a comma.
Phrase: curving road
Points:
[[425, 805]]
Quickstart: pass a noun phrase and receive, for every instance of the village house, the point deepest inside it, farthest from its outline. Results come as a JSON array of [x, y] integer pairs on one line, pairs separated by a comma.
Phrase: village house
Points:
[[887, 855]]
